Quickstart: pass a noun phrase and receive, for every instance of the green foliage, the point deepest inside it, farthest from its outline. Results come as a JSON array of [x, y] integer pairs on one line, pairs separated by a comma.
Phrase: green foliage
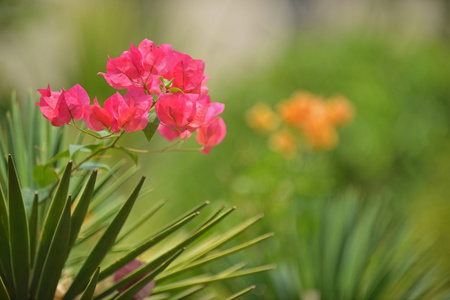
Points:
[[72, 237]]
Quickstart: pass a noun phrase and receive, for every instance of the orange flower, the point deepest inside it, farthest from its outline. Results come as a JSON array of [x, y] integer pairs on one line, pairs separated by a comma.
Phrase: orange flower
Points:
[[283, 142], [262, 118], [321, 135], [340, 111], [297, 110]]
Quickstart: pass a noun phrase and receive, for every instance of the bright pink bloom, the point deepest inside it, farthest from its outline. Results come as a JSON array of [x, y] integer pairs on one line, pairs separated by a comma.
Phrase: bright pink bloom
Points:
[[214, 109], [211, 134], [130, 113], [177, 110], [173, 134], [157, 60], [71, 103], [187, 73], [96, 117], [47, 104], [127, 270], [125, 71]]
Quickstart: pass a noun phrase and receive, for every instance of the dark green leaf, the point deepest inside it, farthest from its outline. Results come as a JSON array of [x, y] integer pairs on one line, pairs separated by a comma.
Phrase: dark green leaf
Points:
[[103, 246], [18, 234], [3, 291], [51, 221], [90, 289], [166, 255], [150, 242], [57, 255], [152, 126], [33, 224], [81, 209], [5, 254], [130, 292]]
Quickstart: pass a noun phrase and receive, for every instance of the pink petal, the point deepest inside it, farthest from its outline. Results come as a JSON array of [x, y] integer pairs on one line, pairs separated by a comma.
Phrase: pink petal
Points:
[[173, 134], [97, 118], [211, 134], [47, 105]]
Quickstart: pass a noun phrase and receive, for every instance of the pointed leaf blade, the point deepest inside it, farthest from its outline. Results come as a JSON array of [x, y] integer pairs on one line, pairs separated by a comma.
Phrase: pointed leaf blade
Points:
[[81, 209], [104, 244], [50, 224], [90, 289], [57, 255], [153, 123], [33, 225], [18, 233]]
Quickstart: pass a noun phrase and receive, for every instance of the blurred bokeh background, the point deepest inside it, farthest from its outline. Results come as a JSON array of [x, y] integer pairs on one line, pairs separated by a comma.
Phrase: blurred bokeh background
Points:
[[367, 220]]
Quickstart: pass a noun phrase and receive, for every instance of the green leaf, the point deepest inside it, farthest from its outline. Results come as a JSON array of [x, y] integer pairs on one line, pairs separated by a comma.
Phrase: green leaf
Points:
[[44, 175], [58, 156], [119, 263], [18, 234], [227, 274], [103, 246], [167, 254], [3, 291], [152, 126], [19, 142], [57, 255], [33, 225], [81, 209], [243, 292], [150, 242], [132, 155], [140, 221], [197, 263], [176, 90], [93, 166], [5, 253], [130, 292], [51, 222], [186, 294], [90, 289], [91, 148]]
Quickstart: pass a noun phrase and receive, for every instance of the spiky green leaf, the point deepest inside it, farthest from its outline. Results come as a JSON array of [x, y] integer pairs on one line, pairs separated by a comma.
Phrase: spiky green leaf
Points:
[[51, 221], [33, 225], [81, 209], [130, 292], [57, 255], [102, 247], [90, 289], [18, 233]]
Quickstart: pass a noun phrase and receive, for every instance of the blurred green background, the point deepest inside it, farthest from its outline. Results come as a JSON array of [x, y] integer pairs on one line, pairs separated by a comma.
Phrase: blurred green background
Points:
[[388, 179]]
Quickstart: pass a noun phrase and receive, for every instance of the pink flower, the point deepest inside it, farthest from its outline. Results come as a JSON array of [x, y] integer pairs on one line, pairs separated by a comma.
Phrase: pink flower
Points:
[[125, 271], [173, 134], [187, 73], [125, 71], [47, 104], [211, 134], [130, 113], [214, 109], [157, 60], [96, 117], [71, 103], [177, 110]]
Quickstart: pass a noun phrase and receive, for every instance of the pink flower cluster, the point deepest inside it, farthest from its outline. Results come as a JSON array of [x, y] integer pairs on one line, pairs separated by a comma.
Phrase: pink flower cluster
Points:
[[155, 77]]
